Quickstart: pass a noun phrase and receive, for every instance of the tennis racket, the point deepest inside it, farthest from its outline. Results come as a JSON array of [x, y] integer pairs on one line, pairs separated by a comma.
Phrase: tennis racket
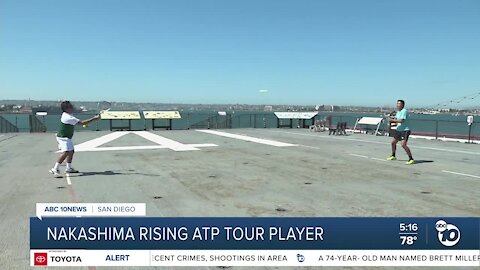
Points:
[[391, 126], [104, 106], [388, 116]]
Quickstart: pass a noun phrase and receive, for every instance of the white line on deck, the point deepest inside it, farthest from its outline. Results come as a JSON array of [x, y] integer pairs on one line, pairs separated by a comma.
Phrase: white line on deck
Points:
[[362, 156], [147, 147], [247, 138], [123, 148], [160, 142], [174, 145], [203, 145], [329, 137], [308, 146], [69, 181], [355, 155], [379, 159], [384, 143], [100, 140], [462, 174], [448, 150]]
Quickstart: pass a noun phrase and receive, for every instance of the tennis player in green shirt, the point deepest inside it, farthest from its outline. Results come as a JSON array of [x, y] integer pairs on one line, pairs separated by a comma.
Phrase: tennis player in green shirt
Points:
[[64, 138]]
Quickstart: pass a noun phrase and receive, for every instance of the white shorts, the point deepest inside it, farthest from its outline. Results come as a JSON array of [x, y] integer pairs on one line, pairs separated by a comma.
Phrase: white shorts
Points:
[[65, 144]]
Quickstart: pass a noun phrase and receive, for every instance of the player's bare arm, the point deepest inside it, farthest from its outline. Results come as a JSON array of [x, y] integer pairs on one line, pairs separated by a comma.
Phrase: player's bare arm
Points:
[[89, 120]]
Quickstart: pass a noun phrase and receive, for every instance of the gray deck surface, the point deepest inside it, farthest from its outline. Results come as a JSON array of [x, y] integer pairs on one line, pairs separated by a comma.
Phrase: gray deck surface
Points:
[[322, 176]]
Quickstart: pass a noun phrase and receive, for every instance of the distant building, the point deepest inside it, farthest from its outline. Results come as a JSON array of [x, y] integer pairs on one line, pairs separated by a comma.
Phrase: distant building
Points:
[[331, 108], [268, 108], [25, 109]]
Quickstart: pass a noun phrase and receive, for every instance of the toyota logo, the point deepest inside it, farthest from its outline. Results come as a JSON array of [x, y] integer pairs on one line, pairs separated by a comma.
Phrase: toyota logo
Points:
[[40, 259]]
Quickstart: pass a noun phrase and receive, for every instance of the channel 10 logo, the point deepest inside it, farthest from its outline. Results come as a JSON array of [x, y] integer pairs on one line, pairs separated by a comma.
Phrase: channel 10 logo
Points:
[[448, 234]]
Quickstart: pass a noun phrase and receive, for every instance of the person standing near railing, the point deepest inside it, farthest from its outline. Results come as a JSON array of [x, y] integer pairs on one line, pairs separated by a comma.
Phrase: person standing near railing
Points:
[[402, 132]]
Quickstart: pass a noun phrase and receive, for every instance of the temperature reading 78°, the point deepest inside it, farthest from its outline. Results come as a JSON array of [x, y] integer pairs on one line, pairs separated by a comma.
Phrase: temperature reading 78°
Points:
[[408, 233]]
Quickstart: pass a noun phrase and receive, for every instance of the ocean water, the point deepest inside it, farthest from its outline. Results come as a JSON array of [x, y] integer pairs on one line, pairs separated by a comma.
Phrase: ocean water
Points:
[[441, 124]]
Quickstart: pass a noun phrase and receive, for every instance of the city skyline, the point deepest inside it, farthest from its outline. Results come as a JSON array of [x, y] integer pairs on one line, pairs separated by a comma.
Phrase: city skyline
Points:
[[326, 106]]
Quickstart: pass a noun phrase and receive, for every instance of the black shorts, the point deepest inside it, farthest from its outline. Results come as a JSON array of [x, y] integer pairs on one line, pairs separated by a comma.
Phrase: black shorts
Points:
[[401, 135]]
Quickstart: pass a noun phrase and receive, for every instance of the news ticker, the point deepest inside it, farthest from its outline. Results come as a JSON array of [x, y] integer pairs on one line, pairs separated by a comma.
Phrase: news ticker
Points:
[[82, 238], [258, 258]]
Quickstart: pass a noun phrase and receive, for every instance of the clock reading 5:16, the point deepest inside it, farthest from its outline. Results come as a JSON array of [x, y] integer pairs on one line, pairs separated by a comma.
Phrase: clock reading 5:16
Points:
[[408, 227]]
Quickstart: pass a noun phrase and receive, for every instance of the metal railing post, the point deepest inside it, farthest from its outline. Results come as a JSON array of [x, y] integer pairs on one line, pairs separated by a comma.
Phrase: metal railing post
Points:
[[469, 133]]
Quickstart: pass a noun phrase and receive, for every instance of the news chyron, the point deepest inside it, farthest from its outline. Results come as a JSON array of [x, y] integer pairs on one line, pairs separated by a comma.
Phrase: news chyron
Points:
[[89, 234]]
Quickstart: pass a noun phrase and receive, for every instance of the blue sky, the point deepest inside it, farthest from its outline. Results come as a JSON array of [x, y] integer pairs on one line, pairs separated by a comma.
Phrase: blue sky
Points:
[[344, 52]]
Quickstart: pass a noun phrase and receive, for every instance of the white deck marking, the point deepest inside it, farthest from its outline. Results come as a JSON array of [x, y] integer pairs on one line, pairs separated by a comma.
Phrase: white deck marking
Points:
[[379, 159], [146, 147], [203, 145], [312, 147], [247, 138], [69, 181], [86, 146], [159, 141], [318, 148], [355, 155], [448, 150], [334, 137], [123, 148], [462, 174], [174, 145], [384, 143]]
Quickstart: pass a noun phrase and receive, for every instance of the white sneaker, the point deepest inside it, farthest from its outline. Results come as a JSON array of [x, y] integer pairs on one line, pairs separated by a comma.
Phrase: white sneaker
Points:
[[71, 170], [56, 173]]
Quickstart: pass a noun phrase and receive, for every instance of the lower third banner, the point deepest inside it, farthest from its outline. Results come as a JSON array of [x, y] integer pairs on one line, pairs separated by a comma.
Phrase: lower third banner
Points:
[[148, 241]]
